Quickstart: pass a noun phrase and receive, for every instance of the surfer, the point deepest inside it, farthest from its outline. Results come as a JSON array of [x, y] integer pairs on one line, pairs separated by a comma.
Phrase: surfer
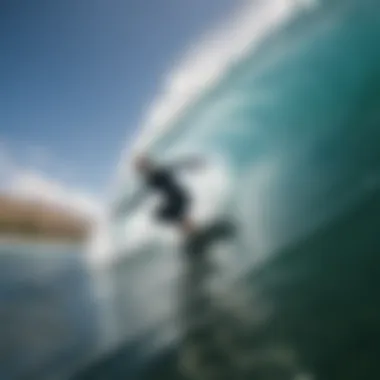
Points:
[[162, 179], [176, 205]]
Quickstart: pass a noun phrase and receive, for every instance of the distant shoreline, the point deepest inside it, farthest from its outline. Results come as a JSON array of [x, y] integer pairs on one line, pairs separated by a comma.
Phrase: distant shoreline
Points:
[[24, 221]]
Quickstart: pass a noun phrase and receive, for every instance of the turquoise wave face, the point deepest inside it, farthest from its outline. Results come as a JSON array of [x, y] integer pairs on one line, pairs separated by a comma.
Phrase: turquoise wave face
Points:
[[295, 124], [292, 132]]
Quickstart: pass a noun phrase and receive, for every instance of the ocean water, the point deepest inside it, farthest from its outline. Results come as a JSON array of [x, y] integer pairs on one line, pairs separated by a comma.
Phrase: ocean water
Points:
[[292, 137], [48, 322], [292, 132]]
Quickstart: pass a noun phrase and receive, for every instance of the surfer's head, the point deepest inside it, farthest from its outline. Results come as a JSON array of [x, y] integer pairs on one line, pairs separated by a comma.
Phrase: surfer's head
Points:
[[143, 164]]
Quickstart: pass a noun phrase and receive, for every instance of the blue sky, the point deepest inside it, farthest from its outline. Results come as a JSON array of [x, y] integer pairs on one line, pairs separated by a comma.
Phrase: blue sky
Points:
[[77, 76]]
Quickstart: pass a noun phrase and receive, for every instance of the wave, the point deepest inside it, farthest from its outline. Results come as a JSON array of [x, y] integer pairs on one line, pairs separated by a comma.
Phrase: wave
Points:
[[206, 64]]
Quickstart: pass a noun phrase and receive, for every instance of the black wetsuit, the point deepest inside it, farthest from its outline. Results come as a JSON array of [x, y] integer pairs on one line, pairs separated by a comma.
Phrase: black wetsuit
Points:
[[176, 200]]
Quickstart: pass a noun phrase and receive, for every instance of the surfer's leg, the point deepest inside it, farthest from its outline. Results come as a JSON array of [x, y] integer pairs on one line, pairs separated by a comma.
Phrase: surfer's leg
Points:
[[162, 214], [177, 211], [174, 212]]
